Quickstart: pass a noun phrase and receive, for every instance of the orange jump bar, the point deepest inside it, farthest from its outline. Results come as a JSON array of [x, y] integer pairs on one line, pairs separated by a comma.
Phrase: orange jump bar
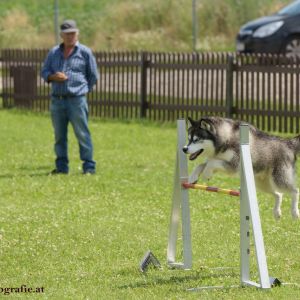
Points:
[[210, 189]]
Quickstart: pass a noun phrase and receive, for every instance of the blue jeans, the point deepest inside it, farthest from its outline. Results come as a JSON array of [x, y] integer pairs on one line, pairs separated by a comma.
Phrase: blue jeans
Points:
[[75, 111]]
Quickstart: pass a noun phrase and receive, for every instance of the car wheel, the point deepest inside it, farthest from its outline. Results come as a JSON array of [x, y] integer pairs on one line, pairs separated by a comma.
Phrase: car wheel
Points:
[[292, 47]]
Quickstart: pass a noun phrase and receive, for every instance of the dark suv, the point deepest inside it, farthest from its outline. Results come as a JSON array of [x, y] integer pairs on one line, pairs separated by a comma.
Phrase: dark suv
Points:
[[278, 33]]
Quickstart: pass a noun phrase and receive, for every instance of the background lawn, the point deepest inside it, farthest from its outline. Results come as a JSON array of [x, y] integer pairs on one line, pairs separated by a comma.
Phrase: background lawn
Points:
[[82, 237]]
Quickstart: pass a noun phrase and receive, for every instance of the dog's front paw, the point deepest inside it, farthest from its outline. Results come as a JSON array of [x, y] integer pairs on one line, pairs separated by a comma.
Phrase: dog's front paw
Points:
[[207, 175], [295, 213], [193, 178], [277, 213]]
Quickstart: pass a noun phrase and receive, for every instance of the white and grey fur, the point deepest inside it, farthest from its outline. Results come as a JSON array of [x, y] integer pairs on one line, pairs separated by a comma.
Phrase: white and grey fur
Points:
[[273, 158]]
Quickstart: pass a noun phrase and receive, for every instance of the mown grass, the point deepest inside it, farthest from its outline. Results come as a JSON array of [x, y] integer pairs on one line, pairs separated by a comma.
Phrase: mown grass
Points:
[[82, 237]]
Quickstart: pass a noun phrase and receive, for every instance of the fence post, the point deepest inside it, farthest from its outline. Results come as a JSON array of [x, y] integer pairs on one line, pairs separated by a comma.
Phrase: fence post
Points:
[[143, 99], [229, 86]]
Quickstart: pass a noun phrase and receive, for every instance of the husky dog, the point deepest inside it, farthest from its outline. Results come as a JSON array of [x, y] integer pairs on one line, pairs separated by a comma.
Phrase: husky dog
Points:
[[273, 158]]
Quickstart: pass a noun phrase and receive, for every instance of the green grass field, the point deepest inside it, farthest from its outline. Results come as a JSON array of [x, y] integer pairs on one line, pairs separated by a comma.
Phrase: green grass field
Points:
[[82, 237]]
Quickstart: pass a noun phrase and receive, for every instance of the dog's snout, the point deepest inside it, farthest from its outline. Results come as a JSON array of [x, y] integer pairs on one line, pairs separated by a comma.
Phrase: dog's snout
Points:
[[185, 149]]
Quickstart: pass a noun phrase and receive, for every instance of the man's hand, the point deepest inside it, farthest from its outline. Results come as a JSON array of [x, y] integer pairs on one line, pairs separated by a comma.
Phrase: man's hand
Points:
[[58, 76]]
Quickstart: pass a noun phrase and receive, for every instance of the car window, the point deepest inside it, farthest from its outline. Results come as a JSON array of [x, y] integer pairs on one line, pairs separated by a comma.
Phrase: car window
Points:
[[292, 9]]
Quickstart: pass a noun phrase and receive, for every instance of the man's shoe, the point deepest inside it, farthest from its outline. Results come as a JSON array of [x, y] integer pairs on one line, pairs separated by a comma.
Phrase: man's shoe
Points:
[[89, 172], [56, 172]]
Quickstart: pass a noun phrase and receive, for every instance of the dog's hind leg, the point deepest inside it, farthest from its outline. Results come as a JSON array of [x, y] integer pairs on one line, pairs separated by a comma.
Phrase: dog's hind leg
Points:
[[294, 204], [193, 178], [277, 207], [283, 176]]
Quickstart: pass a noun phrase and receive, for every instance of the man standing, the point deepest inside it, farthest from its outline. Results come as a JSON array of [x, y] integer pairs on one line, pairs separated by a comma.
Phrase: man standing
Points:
[[72, 71]]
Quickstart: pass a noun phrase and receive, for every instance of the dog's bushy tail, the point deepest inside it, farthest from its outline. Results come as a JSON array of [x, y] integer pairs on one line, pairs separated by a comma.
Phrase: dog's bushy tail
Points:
[[296, 144]]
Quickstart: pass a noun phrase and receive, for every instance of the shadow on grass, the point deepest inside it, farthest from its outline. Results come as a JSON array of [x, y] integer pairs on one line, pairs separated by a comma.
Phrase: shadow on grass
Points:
[[198, 276], [39, 168], [42, 171], [26, 171], [9, 176]]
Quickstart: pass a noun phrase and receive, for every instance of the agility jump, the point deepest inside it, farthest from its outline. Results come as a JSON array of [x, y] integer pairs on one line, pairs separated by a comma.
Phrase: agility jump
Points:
[[249, 212], [210, 189]]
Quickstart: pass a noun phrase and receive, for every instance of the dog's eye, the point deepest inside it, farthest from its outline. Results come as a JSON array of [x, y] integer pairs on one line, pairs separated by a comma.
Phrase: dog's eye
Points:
[[196, 139]]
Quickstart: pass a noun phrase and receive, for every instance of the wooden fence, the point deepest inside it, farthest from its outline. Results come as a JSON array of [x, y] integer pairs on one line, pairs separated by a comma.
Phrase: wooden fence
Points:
[[263, 90]]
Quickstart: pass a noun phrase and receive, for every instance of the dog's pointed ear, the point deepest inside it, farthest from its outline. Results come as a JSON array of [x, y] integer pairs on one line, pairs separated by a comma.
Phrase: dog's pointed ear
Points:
[[207, 125], [190, 122]]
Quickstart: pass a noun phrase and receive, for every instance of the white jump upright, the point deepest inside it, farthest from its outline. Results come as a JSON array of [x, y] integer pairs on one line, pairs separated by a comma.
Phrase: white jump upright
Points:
[[249, 213], [180, 205], [249, 210]]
